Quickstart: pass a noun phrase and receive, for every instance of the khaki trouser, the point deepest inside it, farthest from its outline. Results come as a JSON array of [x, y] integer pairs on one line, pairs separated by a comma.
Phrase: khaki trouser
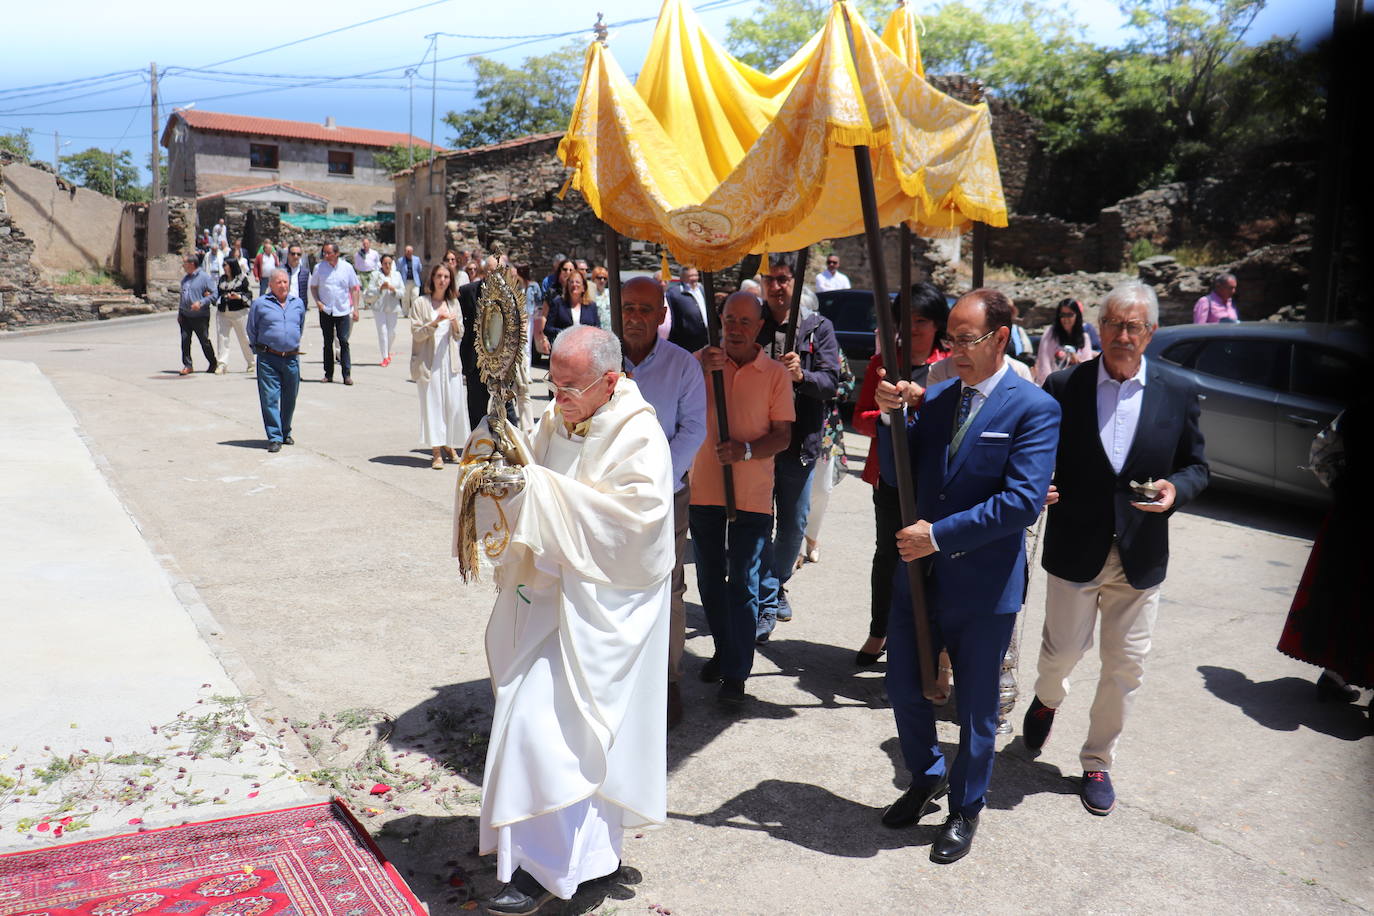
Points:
[[677, 623], [1072, 610], [236, 322]]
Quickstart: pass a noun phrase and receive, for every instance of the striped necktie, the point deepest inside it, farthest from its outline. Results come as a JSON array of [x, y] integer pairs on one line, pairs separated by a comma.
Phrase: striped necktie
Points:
[[961, 419]]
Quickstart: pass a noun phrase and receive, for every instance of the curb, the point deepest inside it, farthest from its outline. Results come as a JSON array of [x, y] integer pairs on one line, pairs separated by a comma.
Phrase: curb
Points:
[[60, 327]]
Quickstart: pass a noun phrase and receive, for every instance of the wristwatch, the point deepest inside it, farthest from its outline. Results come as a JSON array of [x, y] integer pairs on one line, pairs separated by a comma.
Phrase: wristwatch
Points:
[[748, 451]]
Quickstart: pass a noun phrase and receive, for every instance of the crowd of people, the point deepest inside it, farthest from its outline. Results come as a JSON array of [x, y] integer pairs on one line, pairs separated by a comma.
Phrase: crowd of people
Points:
[[632, 452]]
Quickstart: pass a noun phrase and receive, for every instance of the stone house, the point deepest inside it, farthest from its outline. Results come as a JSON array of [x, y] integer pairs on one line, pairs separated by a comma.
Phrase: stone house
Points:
[[294, 166]]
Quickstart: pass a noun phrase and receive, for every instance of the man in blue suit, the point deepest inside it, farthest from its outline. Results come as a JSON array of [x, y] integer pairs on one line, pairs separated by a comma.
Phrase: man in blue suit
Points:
[[983, 450]]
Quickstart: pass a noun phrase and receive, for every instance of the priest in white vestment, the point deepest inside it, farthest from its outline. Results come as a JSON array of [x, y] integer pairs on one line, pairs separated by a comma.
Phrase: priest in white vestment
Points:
[[578, 638]]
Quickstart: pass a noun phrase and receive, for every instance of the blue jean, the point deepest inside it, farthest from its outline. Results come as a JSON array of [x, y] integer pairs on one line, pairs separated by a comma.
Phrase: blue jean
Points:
[[976, 644], [279, 379], [728, 560], [341, 325], [792, 503]]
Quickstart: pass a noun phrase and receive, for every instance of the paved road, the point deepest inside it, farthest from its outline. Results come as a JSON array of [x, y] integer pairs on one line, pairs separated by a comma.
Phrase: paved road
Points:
[[328, 567]]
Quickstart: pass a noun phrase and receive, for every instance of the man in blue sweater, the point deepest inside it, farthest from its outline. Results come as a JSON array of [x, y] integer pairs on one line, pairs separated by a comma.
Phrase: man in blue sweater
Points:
[[275, 322], [193, 313]]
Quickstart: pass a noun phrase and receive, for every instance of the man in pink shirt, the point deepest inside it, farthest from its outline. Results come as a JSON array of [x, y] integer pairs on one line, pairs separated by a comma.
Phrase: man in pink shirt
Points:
[[1217, 306], [758, 399]]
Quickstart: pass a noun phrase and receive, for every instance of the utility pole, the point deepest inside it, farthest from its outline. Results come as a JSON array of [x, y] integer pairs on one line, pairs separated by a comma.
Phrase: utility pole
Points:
[[56, 146], [156, 157]]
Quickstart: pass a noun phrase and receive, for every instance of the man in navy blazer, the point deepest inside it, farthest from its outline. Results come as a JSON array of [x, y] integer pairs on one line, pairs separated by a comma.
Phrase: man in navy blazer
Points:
[[688, 328], [982, 453], [1107, 547]]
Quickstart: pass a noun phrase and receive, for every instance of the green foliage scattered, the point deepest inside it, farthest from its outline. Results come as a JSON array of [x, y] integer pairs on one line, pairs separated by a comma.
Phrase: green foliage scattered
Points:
[[536, 97], [86, 278], [400, 157], [18, 144], [113, 175], [1142, 249]]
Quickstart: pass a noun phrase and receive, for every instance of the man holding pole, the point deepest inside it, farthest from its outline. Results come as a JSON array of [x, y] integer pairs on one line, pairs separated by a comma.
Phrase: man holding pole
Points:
[[813, 363], [730, 552], [983, 450]]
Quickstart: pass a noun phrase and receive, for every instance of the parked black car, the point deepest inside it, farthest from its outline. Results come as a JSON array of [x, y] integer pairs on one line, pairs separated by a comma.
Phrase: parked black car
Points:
[[1267, 388]]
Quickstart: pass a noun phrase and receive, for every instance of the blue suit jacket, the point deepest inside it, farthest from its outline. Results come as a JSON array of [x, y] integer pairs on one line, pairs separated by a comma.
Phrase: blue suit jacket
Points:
[[981, 501]]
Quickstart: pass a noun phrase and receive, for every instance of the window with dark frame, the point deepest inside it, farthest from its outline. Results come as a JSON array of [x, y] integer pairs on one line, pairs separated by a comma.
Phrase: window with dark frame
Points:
[[262, 155], [340, 162]]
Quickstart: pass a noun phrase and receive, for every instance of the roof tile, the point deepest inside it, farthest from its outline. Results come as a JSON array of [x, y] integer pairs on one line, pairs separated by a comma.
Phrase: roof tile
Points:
[[220, 122]]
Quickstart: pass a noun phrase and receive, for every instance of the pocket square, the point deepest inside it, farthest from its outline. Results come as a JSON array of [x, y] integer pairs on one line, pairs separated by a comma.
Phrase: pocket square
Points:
[[992, 435]]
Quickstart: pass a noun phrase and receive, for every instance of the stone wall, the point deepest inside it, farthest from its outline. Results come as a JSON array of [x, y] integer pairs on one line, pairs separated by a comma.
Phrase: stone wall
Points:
[[24, 298], [71, 228], [1016, 137]]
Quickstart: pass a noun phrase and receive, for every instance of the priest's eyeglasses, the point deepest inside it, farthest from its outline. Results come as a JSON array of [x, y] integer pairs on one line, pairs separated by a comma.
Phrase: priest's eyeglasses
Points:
[[965, 343], [571, 393]]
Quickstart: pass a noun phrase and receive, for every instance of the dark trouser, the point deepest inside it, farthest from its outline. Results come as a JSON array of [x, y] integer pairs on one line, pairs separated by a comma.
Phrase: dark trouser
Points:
[[340, 325], [200, 326], [976, 646], [887, 520], [728, 580], [792, 503], [279, 379]]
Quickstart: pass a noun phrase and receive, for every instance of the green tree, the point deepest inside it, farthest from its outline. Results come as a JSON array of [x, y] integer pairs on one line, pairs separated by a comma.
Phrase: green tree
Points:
[[18, 145], [536, 97], [113, 175], [777, 28], [400, 157]]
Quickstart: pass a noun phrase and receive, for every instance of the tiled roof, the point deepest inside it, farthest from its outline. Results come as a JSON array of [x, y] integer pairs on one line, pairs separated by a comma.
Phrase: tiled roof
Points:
[[218, 122], [271, 184]]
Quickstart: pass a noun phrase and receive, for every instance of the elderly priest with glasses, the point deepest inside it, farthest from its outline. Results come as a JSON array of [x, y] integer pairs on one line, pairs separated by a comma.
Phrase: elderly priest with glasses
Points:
[[578, 639], [982, 455]]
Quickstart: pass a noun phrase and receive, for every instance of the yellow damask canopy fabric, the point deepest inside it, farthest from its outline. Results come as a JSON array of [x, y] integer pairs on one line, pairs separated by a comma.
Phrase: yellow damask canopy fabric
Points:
[[715, 160]]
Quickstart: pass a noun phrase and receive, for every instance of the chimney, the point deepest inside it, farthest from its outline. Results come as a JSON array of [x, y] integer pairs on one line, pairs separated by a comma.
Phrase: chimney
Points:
[[329, 123]]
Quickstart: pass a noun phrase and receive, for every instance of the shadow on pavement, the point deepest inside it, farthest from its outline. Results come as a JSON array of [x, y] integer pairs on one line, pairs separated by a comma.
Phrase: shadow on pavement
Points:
[[404, 461], [1250, 511], [1285, 704], [438, 858], [812, 817], [244, 443], [828, 672]]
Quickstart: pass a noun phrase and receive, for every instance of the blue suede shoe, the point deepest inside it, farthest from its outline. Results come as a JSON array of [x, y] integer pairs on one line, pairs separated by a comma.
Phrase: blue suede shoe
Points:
[[1097, 793]]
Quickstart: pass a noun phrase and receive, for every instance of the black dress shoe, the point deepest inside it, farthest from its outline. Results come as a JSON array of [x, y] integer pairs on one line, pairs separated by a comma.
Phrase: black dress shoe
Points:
[[274, 446], [1331, 689], [864, 659], [522, 897], [955, 839], [1036, 727], [915, 803], [288, 441], [731, 693], [710, 672]]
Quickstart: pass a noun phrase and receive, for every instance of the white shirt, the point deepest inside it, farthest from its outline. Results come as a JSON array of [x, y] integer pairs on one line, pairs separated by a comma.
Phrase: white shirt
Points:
[[332, 286], [1118, 412], [831, 279], [982, 391], [365, 261], [294, 289], [698, 293]]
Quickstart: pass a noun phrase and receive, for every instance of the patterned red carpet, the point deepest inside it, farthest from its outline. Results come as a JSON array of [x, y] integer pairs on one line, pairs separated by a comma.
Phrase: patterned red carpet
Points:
[[310, 861]]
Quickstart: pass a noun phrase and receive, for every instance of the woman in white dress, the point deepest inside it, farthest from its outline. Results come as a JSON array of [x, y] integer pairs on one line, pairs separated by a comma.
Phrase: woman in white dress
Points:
[[436, 326], [384, 295]]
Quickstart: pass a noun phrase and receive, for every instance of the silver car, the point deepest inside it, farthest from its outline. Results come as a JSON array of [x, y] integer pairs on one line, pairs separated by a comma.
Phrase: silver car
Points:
[[1267, 389]]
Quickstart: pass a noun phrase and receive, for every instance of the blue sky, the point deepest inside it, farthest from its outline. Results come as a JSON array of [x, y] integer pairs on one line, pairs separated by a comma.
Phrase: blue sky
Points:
[[61, 40]]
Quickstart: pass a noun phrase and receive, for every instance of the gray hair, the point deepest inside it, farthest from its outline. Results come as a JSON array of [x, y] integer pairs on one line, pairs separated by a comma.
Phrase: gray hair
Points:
[[751, 286], [601, 348], [1133, 292], [809, 302], [280, 270], [1223, 278]]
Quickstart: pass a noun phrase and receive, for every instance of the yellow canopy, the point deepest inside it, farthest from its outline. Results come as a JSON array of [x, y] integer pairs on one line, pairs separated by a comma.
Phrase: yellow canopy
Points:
[[716, 160]]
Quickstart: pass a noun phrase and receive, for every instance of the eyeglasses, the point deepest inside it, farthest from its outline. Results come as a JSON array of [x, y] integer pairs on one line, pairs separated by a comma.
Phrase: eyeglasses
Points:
[[777, 281], [1134, 328], [965, 343], [832, 263], [573, 392]]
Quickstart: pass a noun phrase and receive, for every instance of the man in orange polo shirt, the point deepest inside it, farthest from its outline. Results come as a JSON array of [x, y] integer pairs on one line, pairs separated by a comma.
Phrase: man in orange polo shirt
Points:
[[729, 555]]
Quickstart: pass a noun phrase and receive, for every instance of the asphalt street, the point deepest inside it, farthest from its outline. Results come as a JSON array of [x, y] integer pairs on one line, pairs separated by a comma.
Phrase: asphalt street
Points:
[[325, 584]]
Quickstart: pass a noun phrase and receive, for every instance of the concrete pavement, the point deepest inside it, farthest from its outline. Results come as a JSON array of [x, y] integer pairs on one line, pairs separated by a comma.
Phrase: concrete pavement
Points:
[[327, 566]]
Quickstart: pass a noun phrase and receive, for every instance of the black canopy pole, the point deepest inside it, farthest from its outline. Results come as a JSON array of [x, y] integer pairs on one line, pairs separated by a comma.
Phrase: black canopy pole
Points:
[[794, 310], [708, 283], [904, 300], [747, 268], [980, 253], [613, 268], [906, 492]]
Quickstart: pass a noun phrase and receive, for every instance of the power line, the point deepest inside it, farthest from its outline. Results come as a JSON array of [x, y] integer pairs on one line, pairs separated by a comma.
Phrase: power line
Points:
[[20, 91], [125, 84]]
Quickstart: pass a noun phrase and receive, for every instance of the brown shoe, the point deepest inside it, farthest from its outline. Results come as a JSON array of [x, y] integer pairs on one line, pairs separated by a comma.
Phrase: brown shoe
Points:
[[674, 704], [437, 463], [185, 370], [348, 381]]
